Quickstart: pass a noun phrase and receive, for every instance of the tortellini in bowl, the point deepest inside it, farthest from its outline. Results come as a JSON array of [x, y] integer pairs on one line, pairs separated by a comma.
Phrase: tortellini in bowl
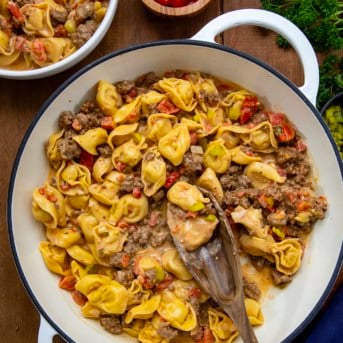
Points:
[[48, 46]]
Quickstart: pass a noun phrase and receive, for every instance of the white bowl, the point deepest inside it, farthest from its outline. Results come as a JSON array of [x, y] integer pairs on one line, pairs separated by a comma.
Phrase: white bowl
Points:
[[71, 60]]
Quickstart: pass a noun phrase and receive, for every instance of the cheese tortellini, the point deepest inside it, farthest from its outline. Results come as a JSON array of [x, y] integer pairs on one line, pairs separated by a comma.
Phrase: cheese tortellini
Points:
[[135, 168]]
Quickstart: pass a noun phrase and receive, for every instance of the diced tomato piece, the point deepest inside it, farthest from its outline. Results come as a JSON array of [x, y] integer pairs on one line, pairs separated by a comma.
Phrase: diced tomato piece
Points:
[[65, 186], [166, 106], [67, 282], [41, 191], [15, 11], [38, 50], [52, 198], [60, 31], [137, 193], [303, 206], [120, 166], [107, 123], [76, 125], [194, 292], [250, 106], [207, 336], [171, 178], [125, 260], [277, 119], [153, 220], [165, 283], [194, 137], [122, 224], [300, 145], [87, 159], [79, 298], [287, 133], [190, 214], [132, 93]]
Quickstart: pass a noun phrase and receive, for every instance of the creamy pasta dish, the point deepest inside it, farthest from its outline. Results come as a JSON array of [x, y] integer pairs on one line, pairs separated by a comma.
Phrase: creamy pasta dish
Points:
[[139, 146], [37, 33]]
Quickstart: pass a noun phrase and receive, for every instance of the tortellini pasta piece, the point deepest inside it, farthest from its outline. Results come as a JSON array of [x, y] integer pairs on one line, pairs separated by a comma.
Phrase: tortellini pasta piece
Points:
[[191, 232], [77, 270], [137, 294], [240, 157], [149, 334], [180, 91], [205, 90], [233, 102], [260, 137], [262, 174], [143, 311], [286, 254], [159, 125], [91, 139], [56, 48], [252, 219], [128, 113], [63, 238], [230, 139], [52, 151], [178, 313], [107, 98], [73, 179], [174, 144], [130, 209], [209, 181], [54, 257], [107, 295], [100, 211], [104, 192], [76, 202], [172, 262], [108, 239], [208, 127], [87, 223], [37, 21], [153, 172], [185, 289], [122, 134], [48, 206], [187, 196], [222, 327], [135, 328], [217, 157], [101, 167], [127, 154], [151, 98], [81, 254], [254, 313]]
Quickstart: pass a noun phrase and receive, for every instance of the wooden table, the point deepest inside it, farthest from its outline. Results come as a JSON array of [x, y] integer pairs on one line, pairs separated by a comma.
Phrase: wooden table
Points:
[[20, 100]]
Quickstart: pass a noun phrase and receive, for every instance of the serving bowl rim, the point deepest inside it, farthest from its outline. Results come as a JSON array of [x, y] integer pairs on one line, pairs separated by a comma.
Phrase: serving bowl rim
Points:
[[123, 51], [71, 60], [331, 101]]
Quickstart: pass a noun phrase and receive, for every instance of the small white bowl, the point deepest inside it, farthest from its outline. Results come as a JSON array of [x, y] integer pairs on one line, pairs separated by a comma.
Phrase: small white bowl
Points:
[[71, 60]]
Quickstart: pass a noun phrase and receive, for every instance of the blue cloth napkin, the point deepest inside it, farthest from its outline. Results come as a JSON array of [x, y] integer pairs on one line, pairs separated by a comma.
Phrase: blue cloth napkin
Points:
[[327, 327]]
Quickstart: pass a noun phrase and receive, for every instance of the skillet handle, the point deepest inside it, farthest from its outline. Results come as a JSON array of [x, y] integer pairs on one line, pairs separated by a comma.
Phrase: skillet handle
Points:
[[46, 333], [279, 24]]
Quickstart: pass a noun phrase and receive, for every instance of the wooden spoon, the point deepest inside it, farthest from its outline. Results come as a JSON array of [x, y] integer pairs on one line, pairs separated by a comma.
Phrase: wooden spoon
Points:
[[216, 267]]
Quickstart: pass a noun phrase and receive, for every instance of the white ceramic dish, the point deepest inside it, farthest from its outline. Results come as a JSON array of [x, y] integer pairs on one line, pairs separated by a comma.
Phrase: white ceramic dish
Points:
[[286, 312], [71, 60]]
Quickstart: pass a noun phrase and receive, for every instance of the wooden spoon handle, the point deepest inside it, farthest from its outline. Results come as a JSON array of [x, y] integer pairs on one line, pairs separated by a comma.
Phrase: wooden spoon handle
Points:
[[241, 321]]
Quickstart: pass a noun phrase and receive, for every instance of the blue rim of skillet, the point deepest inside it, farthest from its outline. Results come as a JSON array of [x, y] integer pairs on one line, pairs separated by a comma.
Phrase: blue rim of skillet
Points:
[[82, 71]]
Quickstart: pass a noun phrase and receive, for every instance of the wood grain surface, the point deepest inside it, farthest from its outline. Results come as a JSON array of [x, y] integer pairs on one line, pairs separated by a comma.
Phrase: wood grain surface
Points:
[[20, 101]]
